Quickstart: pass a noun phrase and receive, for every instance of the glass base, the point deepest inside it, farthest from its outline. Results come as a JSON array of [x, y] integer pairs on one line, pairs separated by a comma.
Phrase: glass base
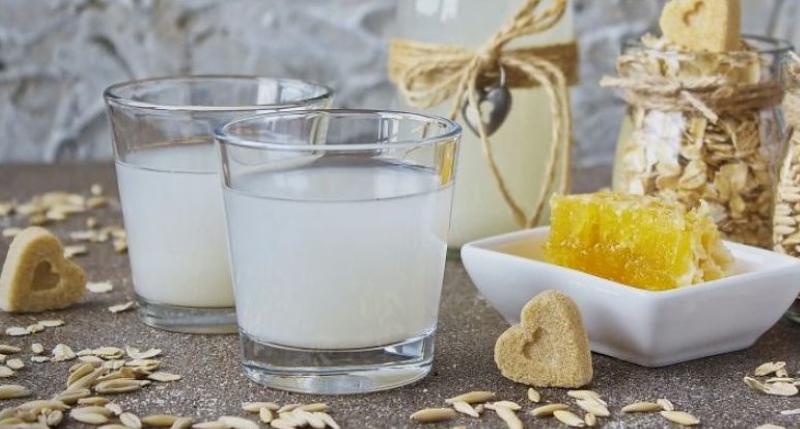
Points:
[[337, 372], [453, 253], [189, 320], [793, 313]]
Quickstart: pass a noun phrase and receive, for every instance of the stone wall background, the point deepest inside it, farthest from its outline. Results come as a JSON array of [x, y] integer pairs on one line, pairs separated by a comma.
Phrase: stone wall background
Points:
[[56, 57]]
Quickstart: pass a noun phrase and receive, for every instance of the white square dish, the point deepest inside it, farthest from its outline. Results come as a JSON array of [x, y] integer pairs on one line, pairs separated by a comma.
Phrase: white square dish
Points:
[[647, 328]]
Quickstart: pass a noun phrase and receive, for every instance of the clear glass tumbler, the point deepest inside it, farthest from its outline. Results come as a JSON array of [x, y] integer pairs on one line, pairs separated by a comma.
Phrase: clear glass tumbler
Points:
[[167, 170], [337, 226]]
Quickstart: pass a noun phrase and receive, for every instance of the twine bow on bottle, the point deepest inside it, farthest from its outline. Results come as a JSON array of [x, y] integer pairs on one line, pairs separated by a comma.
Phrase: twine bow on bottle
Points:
[[430, 74]]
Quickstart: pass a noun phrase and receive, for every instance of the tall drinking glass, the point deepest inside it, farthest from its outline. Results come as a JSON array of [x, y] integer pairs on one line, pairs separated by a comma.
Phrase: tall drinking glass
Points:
[[167, 169], [337, 226]]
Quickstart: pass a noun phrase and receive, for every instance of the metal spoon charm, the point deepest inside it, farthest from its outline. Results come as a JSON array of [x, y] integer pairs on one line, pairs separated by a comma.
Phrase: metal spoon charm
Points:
[[495, 103]]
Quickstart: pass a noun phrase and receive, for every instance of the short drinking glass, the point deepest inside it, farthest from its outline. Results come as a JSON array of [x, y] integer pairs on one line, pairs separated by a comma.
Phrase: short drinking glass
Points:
[[167, 169], [337, 226]]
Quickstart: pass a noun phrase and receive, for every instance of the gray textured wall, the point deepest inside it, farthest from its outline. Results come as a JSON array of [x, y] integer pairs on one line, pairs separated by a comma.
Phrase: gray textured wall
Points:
[[56, 56]]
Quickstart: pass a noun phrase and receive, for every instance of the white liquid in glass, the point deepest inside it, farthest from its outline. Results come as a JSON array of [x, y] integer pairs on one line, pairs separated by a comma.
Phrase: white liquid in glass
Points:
[[521, 145], [172, 207], [338, 257]]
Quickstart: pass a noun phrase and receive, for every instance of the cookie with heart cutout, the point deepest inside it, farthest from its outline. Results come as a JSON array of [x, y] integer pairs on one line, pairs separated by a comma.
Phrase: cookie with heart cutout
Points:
[[36, 276], [703, 25], [549, 348]]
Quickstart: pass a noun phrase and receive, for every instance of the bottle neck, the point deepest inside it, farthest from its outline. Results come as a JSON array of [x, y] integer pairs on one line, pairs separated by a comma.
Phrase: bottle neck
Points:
[[471, 23]]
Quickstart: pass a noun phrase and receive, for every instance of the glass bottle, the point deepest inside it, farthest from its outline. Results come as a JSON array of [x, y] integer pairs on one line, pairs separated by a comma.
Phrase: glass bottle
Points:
[[521, 144]]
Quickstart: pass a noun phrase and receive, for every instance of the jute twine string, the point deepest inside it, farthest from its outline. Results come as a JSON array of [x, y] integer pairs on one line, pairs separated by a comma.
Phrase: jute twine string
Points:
[[709, 95], [430, 74]]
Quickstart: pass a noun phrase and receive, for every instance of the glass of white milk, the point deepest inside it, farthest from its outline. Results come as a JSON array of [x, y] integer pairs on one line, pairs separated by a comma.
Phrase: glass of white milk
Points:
[[167, 170], [337, 226]]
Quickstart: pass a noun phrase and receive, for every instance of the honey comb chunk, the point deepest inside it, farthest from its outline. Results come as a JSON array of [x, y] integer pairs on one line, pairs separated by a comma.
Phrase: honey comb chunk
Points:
[[635, 240]]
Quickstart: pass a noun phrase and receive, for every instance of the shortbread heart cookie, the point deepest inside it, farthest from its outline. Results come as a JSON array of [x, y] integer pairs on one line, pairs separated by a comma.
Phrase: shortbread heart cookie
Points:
[[549, 348], [36, 276], [703, 25]]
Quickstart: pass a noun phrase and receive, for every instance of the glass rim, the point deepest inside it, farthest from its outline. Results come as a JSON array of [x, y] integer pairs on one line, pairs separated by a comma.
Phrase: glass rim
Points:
[[778, 46], [452, 130], [113, 94]]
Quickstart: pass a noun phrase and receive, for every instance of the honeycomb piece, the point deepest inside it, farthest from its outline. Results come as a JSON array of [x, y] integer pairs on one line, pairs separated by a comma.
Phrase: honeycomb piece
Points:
[[635, 240], [36, 276]]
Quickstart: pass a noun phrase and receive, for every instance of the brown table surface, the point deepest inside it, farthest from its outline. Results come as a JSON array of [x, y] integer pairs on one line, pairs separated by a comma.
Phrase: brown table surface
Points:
[[213, 384]]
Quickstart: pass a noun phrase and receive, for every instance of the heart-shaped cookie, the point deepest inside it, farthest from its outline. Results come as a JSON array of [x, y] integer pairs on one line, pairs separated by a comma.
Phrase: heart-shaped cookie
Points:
[[703, 25], [36, 276], [549, 348]]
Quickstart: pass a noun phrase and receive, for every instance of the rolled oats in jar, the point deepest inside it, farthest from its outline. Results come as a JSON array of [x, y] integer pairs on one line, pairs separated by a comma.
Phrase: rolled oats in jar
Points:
[[701, 128]]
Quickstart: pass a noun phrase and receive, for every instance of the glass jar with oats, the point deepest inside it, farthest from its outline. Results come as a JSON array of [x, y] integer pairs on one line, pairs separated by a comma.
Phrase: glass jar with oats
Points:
[[702, 128]]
